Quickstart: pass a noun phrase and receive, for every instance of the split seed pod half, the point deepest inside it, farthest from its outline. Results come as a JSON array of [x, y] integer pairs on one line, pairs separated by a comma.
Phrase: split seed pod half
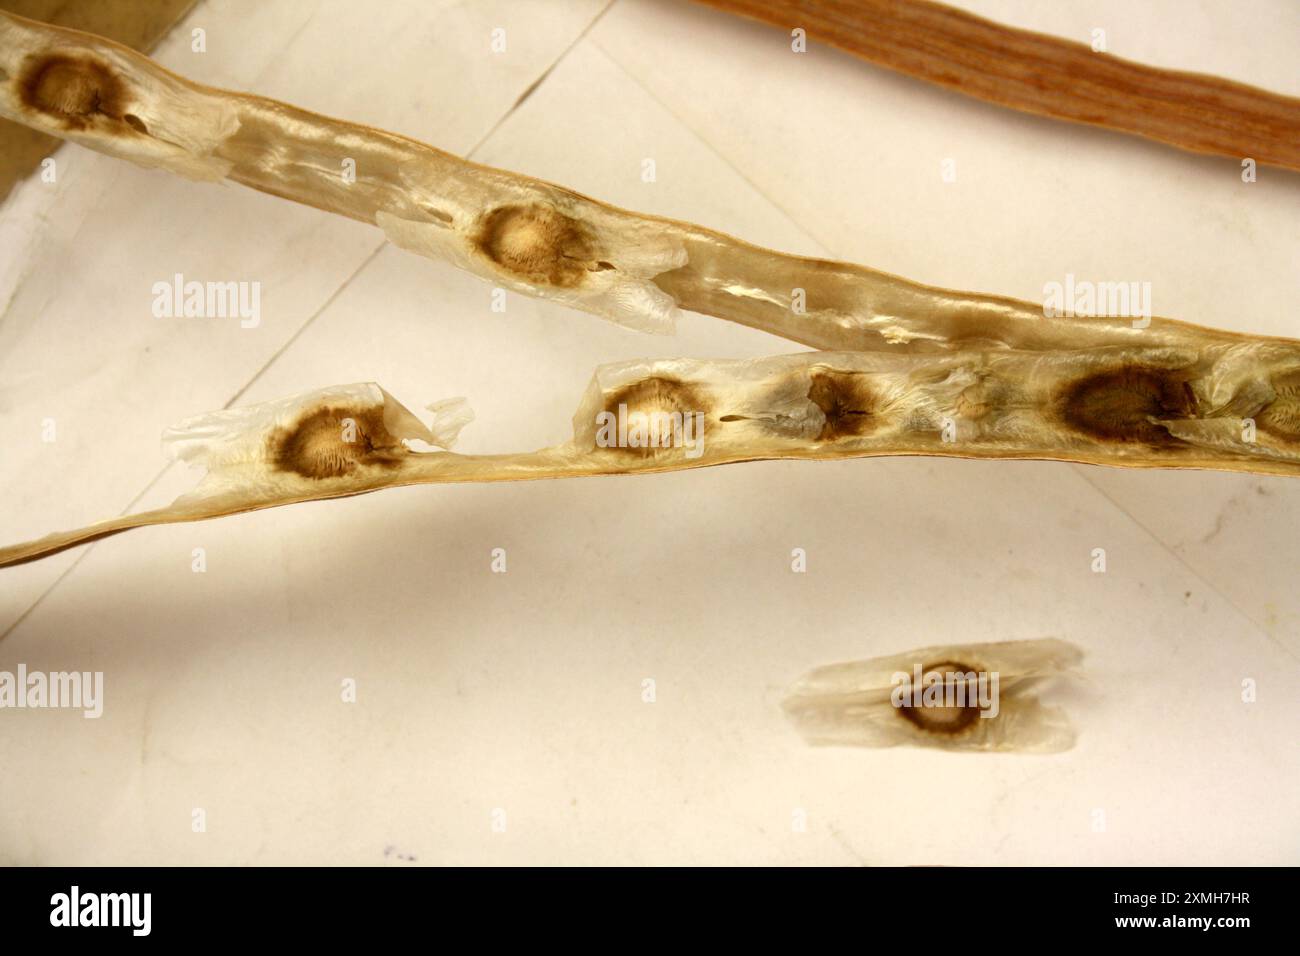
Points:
[[1142, 408]]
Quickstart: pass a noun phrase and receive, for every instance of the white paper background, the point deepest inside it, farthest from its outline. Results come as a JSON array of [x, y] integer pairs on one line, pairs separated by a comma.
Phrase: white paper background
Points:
[[521, 692]]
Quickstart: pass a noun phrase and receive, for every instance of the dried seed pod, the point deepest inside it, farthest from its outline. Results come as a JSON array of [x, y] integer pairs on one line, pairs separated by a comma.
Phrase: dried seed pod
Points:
[[1047, 75], [339, 441], [523, 234], [1144, 408], [974, 697]]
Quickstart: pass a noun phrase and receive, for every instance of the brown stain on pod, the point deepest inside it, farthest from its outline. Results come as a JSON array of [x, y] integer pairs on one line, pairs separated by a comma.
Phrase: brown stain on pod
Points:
[[848, 402], [663, 396], [1117, 405], [1281, 417], [942, 719], [538, 244], [334, 441], [73, 90]]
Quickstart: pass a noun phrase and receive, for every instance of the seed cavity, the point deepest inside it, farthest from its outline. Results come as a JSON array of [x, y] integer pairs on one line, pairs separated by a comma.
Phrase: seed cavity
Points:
[[662, 405], [1281, 417], [942, 718], [334, 441], [850, 406], [1118, 405], [538, 244], [71, 89]]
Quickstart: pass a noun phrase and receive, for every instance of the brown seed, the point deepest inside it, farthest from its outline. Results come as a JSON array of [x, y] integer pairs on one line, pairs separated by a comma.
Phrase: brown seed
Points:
[[1117, 405], [847, 402], [941, 718], [538, 244], [71, 89], [333, 441], [657, 398]]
